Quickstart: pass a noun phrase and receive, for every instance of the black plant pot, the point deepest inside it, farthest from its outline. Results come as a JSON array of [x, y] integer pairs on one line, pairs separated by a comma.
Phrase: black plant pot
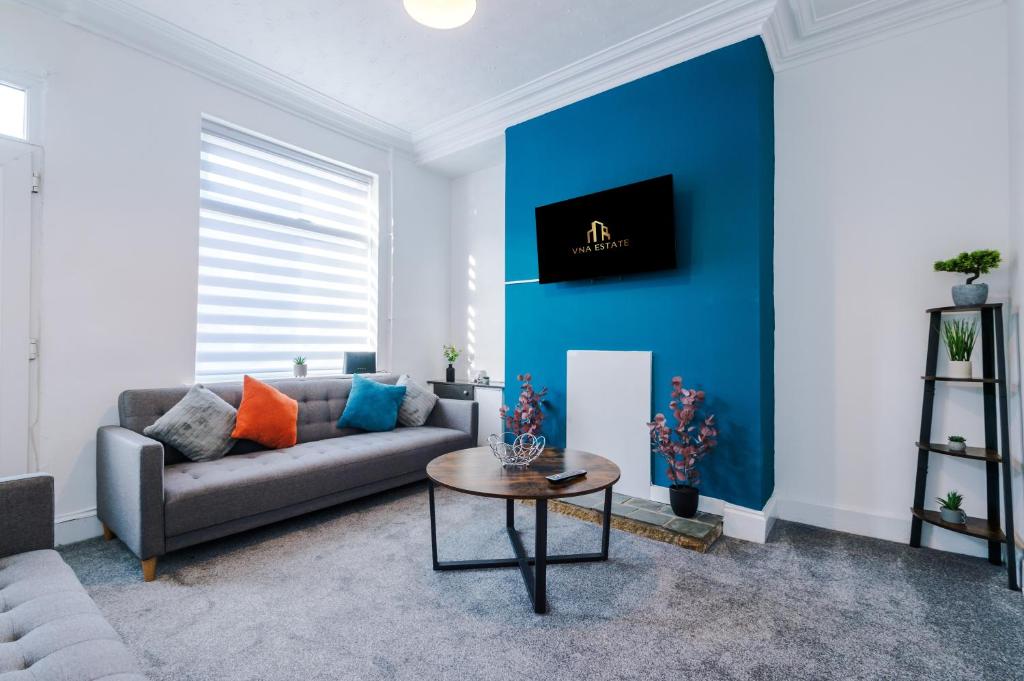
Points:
[[449, 374], [684, 500]]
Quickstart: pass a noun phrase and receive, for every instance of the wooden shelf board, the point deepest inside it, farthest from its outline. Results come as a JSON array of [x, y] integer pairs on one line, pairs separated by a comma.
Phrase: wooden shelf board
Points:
[[952, 309], [974, 527], [977, 453], [961, 380]]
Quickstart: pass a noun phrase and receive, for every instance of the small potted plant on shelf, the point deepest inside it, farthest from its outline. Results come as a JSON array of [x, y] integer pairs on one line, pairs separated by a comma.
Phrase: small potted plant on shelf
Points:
[[975, 264], [957, 443], [683, 445], [299, 367], [451, 355], [959, 336], [950, 508]]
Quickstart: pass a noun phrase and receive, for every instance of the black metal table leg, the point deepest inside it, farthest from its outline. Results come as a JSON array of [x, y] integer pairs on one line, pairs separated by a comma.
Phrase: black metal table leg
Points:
[[433, 526], [533, 569], [540, 587], [606, 524]]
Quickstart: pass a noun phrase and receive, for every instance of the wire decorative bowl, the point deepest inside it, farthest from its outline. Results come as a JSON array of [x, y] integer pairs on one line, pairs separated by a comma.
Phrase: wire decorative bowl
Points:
[[516, 451]]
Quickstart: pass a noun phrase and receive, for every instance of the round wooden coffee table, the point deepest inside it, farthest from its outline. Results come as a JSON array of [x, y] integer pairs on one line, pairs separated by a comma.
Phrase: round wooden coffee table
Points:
[[477, 471]]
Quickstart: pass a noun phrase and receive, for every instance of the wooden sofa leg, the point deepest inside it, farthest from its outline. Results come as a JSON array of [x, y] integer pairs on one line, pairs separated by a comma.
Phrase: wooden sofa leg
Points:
[[108, 534], [149, 569]]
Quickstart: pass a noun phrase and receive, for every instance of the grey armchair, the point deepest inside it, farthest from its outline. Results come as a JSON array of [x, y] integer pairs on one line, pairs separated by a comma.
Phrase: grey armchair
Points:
[[26, 513], [49, 626]]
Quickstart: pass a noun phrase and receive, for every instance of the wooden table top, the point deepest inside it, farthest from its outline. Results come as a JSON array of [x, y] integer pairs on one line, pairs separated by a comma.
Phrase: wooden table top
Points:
[[477, 471]]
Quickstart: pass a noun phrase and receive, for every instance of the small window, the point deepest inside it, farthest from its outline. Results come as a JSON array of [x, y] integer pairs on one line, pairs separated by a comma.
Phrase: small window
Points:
[[287, 259], [13, 111]]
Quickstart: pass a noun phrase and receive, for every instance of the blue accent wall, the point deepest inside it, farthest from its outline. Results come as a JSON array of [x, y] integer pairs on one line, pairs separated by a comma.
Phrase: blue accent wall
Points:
[[708, 122]]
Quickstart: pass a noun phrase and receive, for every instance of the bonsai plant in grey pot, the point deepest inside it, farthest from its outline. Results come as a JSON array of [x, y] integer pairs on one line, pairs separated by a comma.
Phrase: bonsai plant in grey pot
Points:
[[960, 336], [299, 367], [957, 443], [683, 445], [950, 508], [975, 264]]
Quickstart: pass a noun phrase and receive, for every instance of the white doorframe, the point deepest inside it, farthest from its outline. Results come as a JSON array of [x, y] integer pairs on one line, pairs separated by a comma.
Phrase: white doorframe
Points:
[[18, 162]]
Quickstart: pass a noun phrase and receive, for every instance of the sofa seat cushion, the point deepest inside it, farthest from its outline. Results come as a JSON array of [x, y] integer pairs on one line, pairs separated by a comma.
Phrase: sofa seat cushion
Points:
[[51, 629], [203, 494]]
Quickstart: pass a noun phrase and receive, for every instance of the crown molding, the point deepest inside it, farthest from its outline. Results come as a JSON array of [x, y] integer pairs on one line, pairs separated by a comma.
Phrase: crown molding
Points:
[[135, 28], [720, 23], [796, 34]]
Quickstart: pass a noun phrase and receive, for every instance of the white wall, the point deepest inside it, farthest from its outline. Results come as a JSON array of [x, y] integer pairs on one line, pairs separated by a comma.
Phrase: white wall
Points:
[[422, 214], [478, 271], [888, 157], [117, 265], [1016, 43]]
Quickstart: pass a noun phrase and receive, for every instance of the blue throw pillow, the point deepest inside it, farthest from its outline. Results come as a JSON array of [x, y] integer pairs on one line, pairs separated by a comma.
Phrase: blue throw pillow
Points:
[[372, 406]]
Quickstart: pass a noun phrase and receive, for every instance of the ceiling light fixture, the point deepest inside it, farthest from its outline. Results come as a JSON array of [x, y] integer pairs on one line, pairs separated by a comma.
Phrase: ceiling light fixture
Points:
[[441, 13]]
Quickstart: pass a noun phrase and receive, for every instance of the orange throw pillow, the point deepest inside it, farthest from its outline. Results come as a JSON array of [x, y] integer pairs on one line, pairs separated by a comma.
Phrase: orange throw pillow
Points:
[[266, 415]]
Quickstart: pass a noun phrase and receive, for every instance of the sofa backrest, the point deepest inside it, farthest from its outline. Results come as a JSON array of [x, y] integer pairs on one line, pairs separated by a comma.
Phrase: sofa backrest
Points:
[[321, 401]]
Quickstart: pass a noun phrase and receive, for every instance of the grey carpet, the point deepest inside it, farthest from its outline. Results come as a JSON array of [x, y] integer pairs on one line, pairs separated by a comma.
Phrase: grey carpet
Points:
[[348, 593]]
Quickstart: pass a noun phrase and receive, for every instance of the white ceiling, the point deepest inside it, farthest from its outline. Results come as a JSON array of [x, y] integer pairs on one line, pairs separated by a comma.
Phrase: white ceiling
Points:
[[364, 68], [372, 56]]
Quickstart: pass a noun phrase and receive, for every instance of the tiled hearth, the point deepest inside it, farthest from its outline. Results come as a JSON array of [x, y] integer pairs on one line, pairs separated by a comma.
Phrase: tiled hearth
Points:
[[646, 518]]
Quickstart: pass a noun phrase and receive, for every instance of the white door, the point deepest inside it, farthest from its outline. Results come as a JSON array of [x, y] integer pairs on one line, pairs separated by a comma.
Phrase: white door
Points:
[[16, 169]]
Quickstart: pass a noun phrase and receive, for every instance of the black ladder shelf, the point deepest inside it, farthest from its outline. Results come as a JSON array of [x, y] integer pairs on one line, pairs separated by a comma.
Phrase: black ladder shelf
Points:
[[994, 454]]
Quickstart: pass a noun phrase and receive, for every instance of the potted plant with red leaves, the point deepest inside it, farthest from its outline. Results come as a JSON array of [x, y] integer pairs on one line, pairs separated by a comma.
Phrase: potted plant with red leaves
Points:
[[527, 416], [683, 445]]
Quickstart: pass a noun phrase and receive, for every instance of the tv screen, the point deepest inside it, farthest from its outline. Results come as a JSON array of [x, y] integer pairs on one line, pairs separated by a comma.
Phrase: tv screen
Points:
[[617, 231]]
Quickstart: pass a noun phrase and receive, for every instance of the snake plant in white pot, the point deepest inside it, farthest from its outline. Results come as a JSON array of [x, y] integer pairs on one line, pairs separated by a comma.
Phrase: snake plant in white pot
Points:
[[959, 336]]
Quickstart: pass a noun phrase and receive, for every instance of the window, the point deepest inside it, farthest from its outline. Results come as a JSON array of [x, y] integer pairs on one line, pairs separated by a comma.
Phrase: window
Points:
[[13, 111], [287, 259]]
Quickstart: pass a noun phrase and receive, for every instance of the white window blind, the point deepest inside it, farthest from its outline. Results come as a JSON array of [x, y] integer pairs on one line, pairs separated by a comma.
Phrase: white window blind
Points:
[[287, 259]]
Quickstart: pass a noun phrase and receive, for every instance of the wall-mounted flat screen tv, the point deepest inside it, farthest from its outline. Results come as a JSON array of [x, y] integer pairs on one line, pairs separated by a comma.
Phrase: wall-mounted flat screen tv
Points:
[[614, 232]]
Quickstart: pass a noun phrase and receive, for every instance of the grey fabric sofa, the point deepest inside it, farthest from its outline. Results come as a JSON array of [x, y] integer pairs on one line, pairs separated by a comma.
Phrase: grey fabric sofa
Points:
[[50, 630], [155, 500]]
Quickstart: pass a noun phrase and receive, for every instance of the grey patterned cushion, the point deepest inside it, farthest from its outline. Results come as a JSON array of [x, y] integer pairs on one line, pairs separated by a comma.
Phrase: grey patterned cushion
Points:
[[418, 403], [199, 426]]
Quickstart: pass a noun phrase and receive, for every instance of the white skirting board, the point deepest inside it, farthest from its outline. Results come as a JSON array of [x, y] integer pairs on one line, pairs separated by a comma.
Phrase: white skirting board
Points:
[[69, 528], [608, 403], [739, 522], [880, 525]]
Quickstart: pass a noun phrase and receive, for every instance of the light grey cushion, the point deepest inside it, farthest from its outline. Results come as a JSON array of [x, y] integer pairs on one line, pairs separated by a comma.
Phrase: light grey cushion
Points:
[[198, 495], [51, 629], [199, 426], [418, 403]]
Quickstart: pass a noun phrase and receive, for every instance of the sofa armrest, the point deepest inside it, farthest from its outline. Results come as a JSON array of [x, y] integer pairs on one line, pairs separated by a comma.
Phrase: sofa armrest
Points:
[[457, 415], [130, 489], [26, 513]]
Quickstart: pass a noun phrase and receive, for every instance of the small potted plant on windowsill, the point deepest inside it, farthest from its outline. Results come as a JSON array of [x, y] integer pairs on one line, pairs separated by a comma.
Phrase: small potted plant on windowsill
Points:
[[950, 508], [451, 355], [975, 264], [683, 445], [299, 367], [957, 443], [959, 336]]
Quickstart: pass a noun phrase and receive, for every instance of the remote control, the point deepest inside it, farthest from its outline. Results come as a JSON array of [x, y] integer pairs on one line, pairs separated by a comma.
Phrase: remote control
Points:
[[566, 476]]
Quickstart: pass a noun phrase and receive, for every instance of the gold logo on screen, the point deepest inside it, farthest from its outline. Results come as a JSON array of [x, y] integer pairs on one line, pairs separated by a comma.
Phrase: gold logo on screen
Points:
[[599, 238]]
